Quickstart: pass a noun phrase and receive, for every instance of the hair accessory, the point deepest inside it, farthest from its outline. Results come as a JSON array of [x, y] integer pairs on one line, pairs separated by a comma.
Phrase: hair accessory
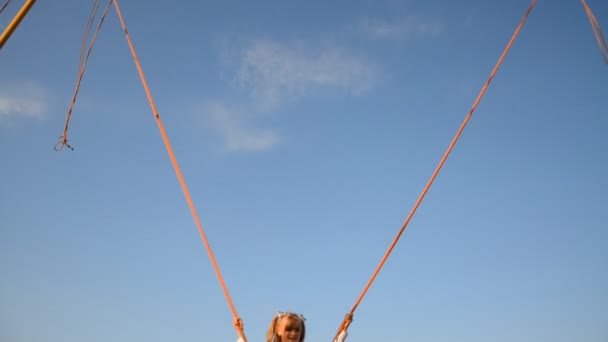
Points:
[[284, 313]]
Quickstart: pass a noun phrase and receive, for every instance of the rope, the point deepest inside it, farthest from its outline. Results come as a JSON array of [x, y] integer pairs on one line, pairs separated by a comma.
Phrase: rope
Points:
[[81, 68], [238, 323], [4, 6], [87, 30], [597, 30], [6, 32], [348, 319]]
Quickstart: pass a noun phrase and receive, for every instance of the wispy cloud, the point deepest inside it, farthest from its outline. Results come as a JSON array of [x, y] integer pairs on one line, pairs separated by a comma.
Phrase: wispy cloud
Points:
[[271, 76], [277, 74], [22, 101], [408, 27], [237, 129]]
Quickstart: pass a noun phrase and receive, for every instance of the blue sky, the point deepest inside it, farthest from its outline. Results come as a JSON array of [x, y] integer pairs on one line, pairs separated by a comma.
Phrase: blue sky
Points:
[[305, 132]]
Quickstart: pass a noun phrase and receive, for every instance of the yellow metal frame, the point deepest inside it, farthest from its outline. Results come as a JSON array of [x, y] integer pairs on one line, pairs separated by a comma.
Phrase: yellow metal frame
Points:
[[16, 21]]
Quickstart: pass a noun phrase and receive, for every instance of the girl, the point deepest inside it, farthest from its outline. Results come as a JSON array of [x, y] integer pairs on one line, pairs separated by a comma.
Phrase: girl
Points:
[[290, 327], [286, 327]]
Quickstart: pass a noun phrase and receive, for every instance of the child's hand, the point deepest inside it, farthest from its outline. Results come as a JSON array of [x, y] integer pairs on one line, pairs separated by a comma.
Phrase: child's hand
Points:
[[240, 340]]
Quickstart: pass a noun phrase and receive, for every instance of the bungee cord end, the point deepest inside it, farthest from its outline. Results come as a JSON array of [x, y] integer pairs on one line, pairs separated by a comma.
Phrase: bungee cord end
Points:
[[343, 330], [240, 330], [63, 142]]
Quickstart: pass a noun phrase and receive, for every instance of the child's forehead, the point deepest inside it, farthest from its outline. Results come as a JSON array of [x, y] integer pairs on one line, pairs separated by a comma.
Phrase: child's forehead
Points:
[[290, 321]]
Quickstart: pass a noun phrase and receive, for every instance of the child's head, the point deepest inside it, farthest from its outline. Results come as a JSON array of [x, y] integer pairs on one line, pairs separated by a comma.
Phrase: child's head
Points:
[[286, 327]]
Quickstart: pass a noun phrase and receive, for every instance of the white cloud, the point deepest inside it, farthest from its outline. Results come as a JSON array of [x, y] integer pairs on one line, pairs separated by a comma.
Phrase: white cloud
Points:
[[237, 130], [24, 100], [410, 26], [276, 74], [270, 76]]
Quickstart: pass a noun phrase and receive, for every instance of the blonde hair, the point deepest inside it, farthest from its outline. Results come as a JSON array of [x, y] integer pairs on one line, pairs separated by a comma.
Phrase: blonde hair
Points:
[[271, 334]]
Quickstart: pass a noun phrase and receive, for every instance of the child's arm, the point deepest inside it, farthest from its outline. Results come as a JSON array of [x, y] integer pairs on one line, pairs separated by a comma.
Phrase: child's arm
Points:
[[341, 337]]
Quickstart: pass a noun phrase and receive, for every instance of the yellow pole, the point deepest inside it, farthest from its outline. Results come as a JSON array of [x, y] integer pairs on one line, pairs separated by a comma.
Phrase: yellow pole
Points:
[[13, 25]]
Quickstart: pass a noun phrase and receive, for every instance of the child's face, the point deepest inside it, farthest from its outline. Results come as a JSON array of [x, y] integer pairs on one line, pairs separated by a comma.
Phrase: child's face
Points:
[[289, 329]]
